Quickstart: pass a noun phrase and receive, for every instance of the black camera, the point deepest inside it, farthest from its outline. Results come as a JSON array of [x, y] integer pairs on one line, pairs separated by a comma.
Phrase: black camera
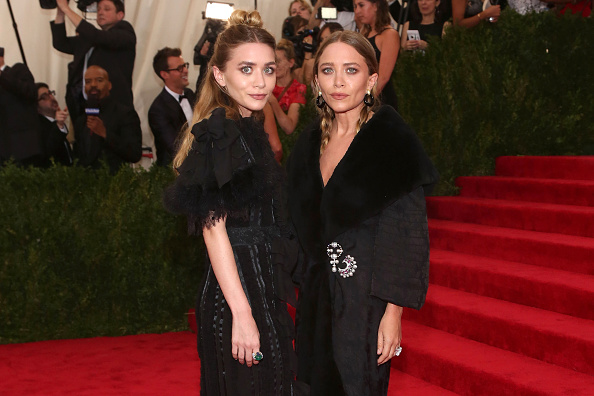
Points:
[[48, 4], [51, 4]]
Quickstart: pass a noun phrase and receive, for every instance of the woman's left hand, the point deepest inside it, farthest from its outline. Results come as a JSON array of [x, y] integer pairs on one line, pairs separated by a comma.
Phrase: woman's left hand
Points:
[[389, 333], [422, 44]]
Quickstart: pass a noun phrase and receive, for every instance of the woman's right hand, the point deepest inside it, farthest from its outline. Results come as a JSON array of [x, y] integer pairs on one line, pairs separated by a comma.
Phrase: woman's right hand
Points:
[[410, 45], [492, 12], [245, 338]]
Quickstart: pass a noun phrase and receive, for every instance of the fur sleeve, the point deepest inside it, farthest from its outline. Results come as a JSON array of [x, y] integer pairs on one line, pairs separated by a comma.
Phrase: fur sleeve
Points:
[[401, 262]]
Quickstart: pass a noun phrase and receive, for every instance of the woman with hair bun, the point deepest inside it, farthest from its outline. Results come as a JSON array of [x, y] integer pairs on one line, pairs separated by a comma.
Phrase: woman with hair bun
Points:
[[358, 176], [228, 186]]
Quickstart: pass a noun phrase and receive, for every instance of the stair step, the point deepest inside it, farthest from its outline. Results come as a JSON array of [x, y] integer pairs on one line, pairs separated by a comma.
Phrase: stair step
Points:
[[402, 384], [552, 167], [566, 252], [471, 368], [544, 335], [532, 216], [555, 290], [564, 192]]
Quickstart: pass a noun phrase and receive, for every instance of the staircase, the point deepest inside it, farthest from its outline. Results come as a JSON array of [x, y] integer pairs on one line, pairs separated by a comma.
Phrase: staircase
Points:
[[510, 307]]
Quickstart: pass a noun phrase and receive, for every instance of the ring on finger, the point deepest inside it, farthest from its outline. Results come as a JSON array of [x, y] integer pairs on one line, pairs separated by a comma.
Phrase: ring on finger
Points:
[[257, 356], [398, 351]]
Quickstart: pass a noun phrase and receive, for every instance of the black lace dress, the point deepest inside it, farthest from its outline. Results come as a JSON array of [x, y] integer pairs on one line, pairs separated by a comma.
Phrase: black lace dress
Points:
[[231, 171]]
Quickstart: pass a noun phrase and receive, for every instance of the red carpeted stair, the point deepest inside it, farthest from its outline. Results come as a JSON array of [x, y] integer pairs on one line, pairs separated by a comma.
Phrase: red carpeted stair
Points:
[[510, 308]]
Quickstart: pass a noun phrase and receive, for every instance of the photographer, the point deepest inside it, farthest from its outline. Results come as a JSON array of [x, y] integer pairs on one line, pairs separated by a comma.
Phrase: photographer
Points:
[[305, 74], [113, 47], [19, 126]]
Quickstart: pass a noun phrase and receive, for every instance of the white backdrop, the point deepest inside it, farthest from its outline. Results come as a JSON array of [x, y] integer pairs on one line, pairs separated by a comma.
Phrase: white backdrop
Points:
[[158, 23]]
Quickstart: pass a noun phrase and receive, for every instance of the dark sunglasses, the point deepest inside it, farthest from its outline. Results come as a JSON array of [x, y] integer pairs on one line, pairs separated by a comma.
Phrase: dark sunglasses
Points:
[[181, 67], [46, 95]]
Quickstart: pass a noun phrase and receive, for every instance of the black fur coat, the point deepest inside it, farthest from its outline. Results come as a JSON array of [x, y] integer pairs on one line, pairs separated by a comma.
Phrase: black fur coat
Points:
[[384, 174]]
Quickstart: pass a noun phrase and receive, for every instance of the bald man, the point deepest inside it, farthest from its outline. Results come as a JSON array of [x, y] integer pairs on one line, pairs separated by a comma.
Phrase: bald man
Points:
[[113, 135]]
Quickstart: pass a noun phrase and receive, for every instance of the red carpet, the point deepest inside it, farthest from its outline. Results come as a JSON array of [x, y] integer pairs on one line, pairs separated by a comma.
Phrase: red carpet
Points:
[[510, 308]]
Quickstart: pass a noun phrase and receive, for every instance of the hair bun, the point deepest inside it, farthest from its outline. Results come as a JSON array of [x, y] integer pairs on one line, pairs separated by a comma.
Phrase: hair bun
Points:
[[241, 17]]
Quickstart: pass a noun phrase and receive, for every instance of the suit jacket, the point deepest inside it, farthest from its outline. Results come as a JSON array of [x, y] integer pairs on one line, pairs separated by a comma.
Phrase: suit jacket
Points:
[[123, 141], [55, 143], [166, 119], [19, 124], [114, 50]]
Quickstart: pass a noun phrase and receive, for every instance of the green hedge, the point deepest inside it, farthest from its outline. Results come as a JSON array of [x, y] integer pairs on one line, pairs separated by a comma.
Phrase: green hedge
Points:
[[84, 253], [521, 86]]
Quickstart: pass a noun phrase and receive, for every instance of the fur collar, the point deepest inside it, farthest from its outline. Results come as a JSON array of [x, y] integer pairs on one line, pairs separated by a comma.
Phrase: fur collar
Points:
[[384, 162]]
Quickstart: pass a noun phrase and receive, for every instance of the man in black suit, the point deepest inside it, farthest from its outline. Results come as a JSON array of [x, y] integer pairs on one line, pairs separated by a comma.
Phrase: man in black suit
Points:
[[172, 108], [52, 121], [19, 126], [113, 47], [111, 131]]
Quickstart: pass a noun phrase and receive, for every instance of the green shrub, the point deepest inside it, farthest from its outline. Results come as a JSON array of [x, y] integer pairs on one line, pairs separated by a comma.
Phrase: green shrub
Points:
[[521, 86], [84, 253]]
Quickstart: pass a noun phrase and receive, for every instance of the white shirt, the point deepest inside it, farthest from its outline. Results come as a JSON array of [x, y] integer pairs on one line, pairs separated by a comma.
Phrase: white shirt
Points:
[[185, 104]]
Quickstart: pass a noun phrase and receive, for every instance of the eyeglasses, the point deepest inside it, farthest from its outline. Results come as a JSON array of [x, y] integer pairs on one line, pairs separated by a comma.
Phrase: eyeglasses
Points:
[[46, 95], [181, 67]]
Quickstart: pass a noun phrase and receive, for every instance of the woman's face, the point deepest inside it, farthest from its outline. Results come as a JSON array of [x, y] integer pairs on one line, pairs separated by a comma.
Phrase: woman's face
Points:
[[283, 65], [428, 7], [299, 9], [249, 76], [343, 77], [365, 11], [324, 34]]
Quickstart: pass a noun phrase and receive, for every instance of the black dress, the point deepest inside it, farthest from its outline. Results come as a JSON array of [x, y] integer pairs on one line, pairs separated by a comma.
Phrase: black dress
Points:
[[371, 214], [388, 95], [432, 29], [231, 171]]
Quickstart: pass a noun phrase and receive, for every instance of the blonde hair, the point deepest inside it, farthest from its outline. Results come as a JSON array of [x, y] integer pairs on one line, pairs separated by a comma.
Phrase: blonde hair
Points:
[[364, 48], [287, 47], [242, 28], [303, 3]]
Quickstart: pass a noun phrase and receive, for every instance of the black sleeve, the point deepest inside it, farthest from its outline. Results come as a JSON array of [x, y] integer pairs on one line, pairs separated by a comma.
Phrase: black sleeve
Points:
[[59, 39], [118, 37], [401, 261], [163, 129], [20, 82], [126, 139], [216, 177]]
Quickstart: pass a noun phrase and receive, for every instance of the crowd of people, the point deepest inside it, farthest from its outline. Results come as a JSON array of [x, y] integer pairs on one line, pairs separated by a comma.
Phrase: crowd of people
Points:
[[112, 47]]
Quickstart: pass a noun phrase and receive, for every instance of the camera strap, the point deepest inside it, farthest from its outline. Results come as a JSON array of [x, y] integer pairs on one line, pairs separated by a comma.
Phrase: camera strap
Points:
[[284, 91]]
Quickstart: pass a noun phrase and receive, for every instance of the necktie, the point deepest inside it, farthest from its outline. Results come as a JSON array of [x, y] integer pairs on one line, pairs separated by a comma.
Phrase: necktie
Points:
[[182, 97]]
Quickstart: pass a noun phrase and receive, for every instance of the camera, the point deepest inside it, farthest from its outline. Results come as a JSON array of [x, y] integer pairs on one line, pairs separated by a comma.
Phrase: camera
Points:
[[296, 38], [51, 4]]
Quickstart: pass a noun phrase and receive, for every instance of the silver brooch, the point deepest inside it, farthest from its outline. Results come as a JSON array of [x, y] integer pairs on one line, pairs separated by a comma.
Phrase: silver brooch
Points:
[[334, 251]]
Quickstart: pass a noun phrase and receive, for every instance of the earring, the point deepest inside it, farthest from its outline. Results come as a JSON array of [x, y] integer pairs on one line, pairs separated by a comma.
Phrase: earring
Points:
[[320, 100], [369, 100]]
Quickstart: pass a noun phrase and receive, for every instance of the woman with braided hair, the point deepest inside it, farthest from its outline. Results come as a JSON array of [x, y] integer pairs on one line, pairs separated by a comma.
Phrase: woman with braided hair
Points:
[[357, 183], [228, 186]]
